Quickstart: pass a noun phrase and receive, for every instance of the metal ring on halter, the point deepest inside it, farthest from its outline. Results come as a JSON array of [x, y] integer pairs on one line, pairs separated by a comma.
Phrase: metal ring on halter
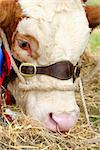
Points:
[[77, 71], [27, 69]]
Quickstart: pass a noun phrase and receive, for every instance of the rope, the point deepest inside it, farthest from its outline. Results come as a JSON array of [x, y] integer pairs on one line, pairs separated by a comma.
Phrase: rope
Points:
[[84, 103], [6, 45], [45, 87]]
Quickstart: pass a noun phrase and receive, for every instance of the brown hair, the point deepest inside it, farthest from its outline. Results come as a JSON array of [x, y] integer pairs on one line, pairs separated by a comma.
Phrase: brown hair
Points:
[[93, 15], [10, 14]]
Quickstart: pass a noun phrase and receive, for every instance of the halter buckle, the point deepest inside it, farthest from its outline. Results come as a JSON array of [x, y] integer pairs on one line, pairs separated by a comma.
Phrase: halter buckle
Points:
[[77, 71], [27, 69]]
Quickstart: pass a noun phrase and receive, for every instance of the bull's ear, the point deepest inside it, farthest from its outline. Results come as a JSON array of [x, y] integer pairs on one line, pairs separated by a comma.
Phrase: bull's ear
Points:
[[93, 15]]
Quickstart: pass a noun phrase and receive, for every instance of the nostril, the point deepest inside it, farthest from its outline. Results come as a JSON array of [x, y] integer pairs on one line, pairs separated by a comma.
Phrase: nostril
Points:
[[50, 123], [51, 118], [50, 115]]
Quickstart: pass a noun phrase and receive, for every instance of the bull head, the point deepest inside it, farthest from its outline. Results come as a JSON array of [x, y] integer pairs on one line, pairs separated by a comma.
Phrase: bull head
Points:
[[47, 35]]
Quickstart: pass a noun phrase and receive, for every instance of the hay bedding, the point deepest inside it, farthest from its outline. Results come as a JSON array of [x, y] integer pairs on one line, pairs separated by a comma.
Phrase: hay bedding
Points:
[[26, 134]]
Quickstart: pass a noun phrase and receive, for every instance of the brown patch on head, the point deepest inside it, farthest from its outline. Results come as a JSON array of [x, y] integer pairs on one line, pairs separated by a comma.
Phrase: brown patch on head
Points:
[[93, 15], [10, 15], [84, 0]]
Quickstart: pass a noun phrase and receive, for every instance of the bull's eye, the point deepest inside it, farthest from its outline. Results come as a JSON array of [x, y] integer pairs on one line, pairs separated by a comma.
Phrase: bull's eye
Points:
[[23, 44]]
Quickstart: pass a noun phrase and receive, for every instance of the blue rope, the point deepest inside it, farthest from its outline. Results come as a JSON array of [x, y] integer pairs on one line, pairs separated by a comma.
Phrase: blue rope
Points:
[[1, 59]]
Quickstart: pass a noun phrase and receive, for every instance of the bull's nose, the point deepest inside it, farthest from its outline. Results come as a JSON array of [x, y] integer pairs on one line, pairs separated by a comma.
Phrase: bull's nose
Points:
[[61, 122]]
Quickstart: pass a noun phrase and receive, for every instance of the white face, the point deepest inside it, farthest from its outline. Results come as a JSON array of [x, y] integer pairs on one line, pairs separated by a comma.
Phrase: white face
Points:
[[54, 31]]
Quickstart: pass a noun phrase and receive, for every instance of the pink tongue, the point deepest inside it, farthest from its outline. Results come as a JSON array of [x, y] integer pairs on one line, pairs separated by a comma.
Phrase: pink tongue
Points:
[[64, 121]]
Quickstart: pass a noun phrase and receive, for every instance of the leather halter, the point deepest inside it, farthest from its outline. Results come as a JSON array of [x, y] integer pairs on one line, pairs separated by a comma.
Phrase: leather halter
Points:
[[62, 70]]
